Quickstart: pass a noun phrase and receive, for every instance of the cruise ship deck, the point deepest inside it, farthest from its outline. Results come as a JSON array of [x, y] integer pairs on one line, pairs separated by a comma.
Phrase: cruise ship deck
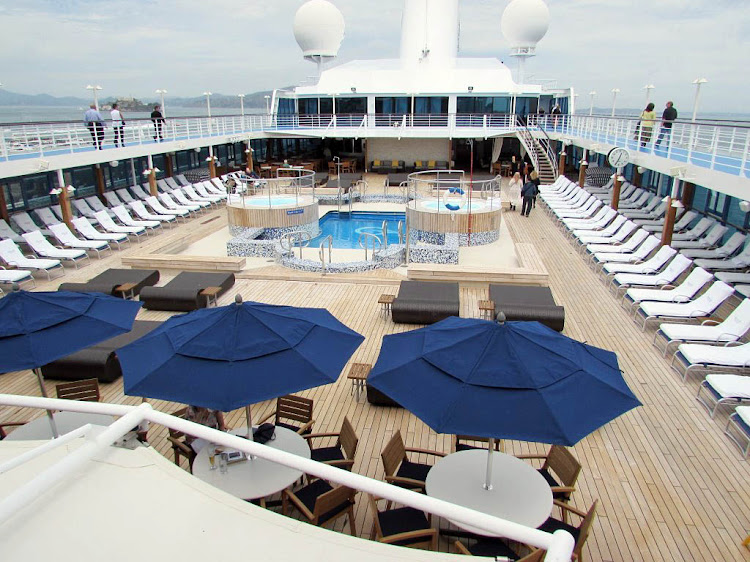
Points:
[[671, 485]]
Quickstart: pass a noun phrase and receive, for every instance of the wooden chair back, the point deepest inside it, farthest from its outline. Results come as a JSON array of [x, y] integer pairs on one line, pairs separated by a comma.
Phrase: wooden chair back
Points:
[[86, 390], [562, 462], [348, 439], [332, 168], [393, 454], [180, 447], [294, 408], [473, 441], [377, 531], [332, 499], [536, 556], [585, 529]]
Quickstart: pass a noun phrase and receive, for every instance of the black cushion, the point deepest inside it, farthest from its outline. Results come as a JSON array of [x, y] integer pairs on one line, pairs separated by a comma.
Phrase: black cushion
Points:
[[294, 428], [551, 525], [425, 302], [403, 520], [324, 454], [492, 548], [413, 470], [553, 483], [182, 294], [310, 493]]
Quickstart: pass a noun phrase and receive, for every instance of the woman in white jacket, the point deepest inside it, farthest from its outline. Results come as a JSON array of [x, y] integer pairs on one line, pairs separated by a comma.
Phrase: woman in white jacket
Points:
[[514, 191]]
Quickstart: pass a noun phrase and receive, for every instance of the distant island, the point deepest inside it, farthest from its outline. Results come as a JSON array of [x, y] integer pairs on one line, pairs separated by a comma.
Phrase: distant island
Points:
[[128, 104]]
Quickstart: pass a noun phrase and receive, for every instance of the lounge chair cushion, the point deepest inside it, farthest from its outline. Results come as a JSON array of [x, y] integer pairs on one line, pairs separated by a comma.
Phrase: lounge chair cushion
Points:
[[697, 354], [522, 302], [327, 454], [183, 292], [109, 280], [730, 386], [424, 302], [413, 471]]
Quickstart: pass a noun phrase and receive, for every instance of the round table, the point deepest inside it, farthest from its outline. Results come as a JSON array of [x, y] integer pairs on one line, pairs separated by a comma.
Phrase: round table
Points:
[[519, 493], [254, 478], [65, 421]]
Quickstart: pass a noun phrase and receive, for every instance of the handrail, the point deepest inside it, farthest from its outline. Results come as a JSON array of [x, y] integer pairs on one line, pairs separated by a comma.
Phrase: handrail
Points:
[[321, 252], [297, 238], [384, 228], [559, 545], [400, 232], [362, 241]]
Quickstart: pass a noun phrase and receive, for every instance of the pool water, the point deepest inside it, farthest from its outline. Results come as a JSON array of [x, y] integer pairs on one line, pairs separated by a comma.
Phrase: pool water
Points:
[[276, 201], [346, 228]]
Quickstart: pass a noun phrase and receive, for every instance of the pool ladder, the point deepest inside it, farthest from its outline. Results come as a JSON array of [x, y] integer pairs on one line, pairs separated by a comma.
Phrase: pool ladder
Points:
[[297, 238], [377, 244], [322, 254]]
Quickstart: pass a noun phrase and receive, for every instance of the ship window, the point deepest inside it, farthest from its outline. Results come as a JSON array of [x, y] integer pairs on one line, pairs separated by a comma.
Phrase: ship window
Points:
[[482, 105], [351, 105], [308, 106], [286, 106], [326, 106], [400, 106], [525, 106], [431, 105]]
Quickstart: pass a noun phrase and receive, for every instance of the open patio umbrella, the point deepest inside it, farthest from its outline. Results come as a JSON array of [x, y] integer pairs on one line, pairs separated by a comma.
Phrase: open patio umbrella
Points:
[[227, 357], [514, 380], [39, 327]]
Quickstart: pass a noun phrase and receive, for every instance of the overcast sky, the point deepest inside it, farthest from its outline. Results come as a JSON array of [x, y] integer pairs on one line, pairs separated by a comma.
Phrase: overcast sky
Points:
[[230, 46]]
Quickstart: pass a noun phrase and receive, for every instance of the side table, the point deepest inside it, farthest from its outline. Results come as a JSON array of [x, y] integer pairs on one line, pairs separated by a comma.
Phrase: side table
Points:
[[212, 295], [358, 374]]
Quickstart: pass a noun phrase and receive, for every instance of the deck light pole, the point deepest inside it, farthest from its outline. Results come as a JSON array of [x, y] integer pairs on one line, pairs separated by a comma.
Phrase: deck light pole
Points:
[[208, 102], [592, 93], [268, 104], [698, 83], [648, 89], [161, 96], [242, 104], [615, 91], [96, 96]]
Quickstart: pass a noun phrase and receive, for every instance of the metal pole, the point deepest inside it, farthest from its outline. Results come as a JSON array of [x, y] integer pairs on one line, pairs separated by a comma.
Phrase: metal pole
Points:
[[488, 473]]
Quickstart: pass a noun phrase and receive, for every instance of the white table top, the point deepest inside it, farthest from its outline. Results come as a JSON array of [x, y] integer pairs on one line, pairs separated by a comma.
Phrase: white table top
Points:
[[65, 421], [519, 493], [254, 478]]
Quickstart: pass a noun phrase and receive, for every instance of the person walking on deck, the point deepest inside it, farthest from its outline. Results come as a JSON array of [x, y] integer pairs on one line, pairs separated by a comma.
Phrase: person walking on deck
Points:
[[117, 125], [528, 192], [648, 118], [95, 124], [667, 120], [514, 191]]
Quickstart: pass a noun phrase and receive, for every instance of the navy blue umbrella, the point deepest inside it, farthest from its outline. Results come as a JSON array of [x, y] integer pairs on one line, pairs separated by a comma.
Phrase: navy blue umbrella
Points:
[[37, 327], [518, 380], [227, 357]]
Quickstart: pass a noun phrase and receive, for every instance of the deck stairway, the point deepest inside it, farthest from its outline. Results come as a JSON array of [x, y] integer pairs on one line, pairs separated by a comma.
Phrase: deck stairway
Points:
[[539, 149]]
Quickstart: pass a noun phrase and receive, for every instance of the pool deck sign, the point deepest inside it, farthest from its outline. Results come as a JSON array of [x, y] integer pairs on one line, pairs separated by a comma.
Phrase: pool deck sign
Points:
[[295, 211]]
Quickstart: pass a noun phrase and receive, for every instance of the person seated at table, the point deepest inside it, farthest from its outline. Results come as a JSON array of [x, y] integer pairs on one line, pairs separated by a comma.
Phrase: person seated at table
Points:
[[203, 416]]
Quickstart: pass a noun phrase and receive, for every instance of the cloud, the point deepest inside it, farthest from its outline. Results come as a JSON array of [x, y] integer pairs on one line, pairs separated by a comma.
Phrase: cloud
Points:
[[188, 46]]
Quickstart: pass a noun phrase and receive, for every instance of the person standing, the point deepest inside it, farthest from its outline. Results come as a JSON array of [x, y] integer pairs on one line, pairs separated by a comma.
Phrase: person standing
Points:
[[528, 192], [95, 124], [648, 118], [158, 120], [514, 190], [117, 125], [556, 114], [667, 120]]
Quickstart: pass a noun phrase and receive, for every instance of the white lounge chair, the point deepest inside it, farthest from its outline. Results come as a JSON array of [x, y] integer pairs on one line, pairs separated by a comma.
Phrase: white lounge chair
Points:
[[160, 209], [11, 276], [203, 192], [112, 198], [124, 195], [705, 305], [645, 212], [96, 204], [183, 200], [7, 233], [162, 186], [172, 183], [739, 423], [740, 261], [710, 240], [700, 228], [684, 292], [12, 256], [617, 239], [583, 211], [669, 275], [44, 249], [685, 220], [651, 266], [87, 230], [599, 221], [648, 217], [721, 388], [181, 179], [195, 196], [728, 249], [46, 215], [25, 223], [638, 201], [606, 231], [63, 235], [106, 222], [713, 358], [619, 255], [83, 209], [710, 332], [140, 192], [125, 218], [142, 213], [170, 204]]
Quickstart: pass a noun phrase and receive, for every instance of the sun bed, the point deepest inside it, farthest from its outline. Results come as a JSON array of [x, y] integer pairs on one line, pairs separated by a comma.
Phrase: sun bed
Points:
[[63, 235], [608, 232], [87, 230], [142, 213], [125, 195], [740, 261], [183, 293], [46, 215], [99, 361], [125, 218], [622, 233], [704, 305], [97, 206], [169, 203], [676, 267], [204, 192], [160, 209], [181, 179], [740, 421], [106, 222], [682, 224], [621, 254], [523, 302], [183, 200], [721, 388], [112, 198], [700, 229], [669, 293], [7, 233], [207, 198], [644, 212], [629, 246], [83, 208], [109, 281], [12, 256], [141, 193], [583, 212], [43, 248], [597, 222], [710, 240], [693, 356], [25, 223], [729, 248], [569, 216], [10, 276], [424, 302]]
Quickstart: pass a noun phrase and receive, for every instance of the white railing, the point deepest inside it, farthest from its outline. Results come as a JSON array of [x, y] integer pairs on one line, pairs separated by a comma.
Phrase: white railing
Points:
[[559, 546]]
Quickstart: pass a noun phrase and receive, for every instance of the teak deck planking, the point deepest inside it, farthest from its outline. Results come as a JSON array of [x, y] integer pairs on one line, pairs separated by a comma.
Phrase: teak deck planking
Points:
[[671, 485]]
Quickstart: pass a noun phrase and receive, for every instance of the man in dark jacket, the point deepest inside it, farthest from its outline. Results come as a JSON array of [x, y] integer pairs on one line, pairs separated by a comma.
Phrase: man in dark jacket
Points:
[[528, 192], [667, 119], [158, 119]]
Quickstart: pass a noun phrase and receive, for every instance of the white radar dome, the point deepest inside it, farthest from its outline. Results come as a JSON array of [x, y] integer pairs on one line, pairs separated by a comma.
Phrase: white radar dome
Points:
[[319, 29], [525, 22]]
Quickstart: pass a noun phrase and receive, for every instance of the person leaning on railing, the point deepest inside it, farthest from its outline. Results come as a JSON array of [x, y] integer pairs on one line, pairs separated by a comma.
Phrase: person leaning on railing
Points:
[[95, 124], [667, 120]]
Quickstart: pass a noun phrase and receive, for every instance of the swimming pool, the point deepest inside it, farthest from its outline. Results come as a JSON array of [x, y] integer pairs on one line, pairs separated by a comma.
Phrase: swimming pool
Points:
[[463, 203], [346, 228]]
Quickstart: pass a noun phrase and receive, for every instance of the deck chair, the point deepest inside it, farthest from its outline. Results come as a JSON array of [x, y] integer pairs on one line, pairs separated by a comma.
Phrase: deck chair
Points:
[[340, 454], [606, 232], [629, 246], [160, 209], [320, 503], [180, 178], [112, 198], [683, 223], [163, 186], [580, 533], [645, 212], [43, 248], [297, 410], [20, 276], [739, 422], [710, 332], [728, 249], [7, 233], [578, 202], [172, 183], [83, 208], [87, 230], [65, 237], [733, 278], [669, 275], [124, 195], [96, 204], [700, 228], [719, 389], [46, 215], [142, 213], [600, 223], [714, 358], [684, 292], [203, 192], [586, 210], [638, 255], [24, 223], [399, 470], [617, 239], [638, 201], [652, 265], [496, 549], [180, 446], [710, 240], [193, 196], [403, 526], [704, 305], [141, 193], [125, 218], [169, 203], [740, 261], [183, 200], [12, 256], [106, 222], [86, 390]]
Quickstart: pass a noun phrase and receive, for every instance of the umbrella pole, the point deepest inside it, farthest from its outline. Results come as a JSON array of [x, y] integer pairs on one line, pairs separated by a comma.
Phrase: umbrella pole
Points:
[[249, 422], [488, 474], [52, 424]]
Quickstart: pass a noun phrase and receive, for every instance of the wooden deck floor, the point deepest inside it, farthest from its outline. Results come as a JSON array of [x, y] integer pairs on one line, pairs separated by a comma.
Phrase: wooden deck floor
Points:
[[671, 486]]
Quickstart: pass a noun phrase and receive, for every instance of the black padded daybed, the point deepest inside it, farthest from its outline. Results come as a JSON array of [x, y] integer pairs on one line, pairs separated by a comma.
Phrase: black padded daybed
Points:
[[182, 294], [108, 282], [98, 361], [524, 302], [425, 302]]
